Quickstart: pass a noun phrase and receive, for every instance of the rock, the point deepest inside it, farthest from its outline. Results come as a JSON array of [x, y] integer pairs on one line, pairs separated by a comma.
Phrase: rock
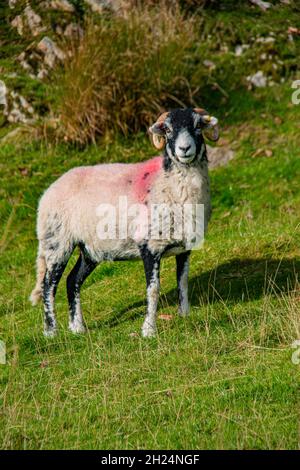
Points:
[[224, 48], [45, 5], [209, 64], [3, 95], [12, 3], [267, 40], [218, 156], [25, 105], [259, 80], [62, 5], [293, 30], [30, 19], [262, 5], [38, 59], [59, 30], [17, 22], [42, 73], [16, 115], [96, 5], [240, 48], [34, 21], [25, 65], [73, 30], [51, 51], [16, 107], [26, 62]]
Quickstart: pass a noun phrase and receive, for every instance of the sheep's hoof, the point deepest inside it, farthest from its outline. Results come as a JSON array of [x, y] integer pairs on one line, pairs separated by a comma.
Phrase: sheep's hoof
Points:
[[77, 328], [183, 312], [148, 331], [50, 332]]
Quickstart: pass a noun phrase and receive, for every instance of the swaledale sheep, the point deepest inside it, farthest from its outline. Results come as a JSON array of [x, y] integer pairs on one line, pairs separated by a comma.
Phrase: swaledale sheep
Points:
[[68, 215]]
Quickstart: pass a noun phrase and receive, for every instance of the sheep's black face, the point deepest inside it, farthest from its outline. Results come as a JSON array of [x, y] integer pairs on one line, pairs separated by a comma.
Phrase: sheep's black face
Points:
[[184, 140], [180, 131]]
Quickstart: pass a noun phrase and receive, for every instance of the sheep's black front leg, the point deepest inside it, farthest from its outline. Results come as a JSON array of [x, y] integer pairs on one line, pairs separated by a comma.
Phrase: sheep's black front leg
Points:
[[51, 280], [151, 266], [182, 263], [77, 276]]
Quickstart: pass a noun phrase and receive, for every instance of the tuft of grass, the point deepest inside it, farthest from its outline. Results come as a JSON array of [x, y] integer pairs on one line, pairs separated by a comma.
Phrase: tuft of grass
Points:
[[125, 71]]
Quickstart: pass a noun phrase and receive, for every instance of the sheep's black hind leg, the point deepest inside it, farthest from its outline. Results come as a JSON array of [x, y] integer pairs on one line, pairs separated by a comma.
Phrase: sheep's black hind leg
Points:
[[77, 276], [182, 262], [152, 267], [50, 283]]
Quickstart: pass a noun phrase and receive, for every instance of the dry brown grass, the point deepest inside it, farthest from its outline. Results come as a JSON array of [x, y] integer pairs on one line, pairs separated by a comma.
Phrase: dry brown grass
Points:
[[125, 71]]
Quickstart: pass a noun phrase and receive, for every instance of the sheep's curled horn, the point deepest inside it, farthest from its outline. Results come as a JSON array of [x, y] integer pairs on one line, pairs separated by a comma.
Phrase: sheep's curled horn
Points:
[[210, 130]]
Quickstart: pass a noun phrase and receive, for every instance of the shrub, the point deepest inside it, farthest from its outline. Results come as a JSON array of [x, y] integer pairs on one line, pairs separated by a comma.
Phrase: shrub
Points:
[[125, 71]]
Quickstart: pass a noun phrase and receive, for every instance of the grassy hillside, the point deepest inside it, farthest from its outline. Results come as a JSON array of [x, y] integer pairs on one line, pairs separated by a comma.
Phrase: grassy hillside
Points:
[[129, 67], [222, 378]]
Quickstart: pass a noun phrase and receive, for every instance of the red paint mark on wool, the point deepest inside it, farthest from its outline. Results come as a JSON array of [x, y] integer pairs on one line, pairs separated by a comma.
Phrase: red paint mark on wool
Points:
[[145, 176]]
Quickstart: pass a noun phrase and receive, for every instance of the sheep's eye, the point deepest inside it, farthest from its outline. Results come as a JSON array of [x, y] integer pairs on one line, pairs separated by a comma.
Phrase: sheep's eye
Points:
[[168, 130]]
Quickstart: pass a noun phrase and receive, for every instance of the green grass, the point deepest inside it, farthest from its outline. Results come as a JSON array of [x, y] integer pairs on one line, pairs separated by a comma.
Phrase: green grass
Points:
[[222, 378]]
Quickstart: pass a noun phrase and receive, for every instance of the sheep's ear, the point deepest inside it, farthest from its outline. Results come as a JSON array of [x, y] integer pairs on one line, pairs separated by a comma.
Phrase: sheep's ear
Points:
[[210, 127], [157, 131], [209, 124]]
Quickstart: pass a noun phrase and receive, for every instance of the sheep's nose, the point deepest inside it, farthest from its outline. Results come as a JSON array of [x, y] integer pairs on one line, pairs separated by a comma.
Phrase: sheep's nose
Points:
[[185, 149]]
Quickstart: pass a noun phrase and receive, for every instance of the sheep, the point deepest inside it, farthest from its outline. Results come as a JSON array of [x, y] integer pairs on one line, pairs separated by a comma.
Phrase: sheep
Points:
[[69, 211]]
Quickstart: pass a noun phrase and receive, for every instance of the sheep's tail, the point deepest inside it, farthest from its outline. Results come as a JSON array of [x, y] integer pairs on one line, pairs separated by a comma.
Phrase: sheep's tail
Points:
[[36, 294]]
